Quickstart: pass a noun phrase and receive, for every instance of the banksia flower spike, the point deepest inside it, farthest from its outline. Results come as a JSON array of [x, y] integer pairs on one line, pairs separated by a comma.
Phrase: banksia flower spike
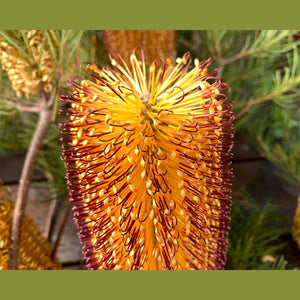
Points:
[[147, 152], [31, 74], [34, 250], [153, 42]]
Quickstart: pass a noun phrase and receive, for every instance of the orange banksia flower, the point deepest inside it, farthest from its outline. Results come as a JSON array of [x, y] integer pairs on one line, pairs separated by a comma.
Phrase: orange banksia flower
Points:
[[34, 249], [154, 42], [147, 152]]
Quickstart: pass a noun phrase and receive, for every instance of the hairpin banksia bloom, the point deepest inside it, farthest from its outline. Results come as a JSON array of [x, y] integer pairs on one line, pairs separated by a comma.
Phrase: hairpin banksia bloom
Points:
[[147, 152], [153, 42], [34, 249], [29, 76]]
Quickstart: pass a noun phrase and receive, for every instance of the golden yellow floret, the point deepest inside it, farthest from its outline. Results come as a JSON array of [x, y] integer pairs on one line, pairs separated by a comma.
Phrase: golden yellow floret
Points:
[[147, 150], [34, 249], [29, 76]]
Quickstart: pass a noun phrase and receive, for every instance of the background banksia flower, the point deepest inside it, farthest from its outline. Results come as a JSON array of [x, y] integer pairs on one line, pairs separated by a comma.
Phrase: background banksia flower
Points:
[[34, 250], [155, 43], [33, 73], [147, 152]]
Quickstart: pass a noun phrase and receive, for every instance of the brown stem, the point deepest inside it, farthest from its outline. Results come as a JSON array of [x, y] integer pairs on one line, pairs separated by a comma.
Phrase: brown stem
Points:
[[61, 229], [49, 219], [265, 98], [26, 107], [193, 46], [220, 70], [94, 46], [219, 57], [24, 183], [20, 101], [251, 103], [235, 57]]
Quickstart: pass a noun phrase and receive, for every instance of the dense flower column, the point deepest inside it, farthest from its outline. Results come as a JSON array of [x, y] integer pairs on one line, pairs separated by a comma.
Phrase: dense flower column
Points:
[[35, 250], [147, 152], [154, 42], [33, 74]]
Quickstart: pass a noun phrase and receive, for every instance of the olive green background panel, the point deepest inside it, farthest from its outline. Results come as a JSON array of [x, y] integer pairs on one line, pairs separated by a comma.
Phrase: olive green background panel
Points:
[[155, 14], [149, 284]]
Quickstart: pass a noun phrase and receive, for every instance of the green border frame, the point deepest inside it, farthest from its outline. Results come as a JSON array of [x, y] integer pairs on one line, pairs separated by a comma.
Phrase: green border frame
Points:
[[149, 284], [155, 14]]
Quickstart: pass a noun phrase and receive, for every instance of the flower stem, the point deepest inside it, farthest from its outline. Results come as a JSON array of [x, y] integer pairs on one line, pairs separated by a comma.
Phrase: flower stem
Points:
[[219, 57], [60, 232], [26, 176], [50, 218], [252, 103]]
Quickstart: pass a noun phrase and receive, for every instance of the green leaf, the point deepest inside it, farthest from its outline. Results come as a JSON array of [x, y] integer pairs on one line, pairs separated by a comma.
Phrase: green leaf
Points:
[[15, 44], [74, 42], [41, 52], [49, 40], [26, 42]]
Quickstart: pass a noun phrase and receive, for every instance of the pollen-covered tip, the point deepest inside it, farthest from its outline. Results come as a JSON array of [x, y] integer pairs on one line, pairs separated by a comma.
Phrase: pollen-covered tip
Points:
[[148, 156]]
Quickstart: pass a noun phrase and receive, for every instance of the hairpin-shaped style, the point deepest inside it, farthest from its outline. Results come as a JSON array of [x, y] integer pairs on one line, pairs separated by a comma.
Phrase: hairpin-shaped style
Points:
[[148, 154]]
